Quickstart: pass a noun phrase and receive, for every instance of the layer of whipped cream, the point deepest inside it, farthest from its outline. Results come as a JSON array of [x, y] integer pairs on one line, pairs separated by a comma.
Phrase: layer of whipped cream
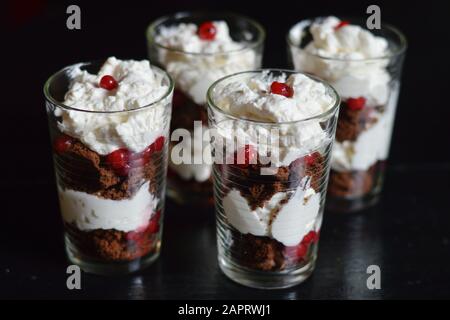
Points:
[[139, 85], [250, 98], [350, 58], [89, 212], [197, 63], [371, 145], [287, 222]]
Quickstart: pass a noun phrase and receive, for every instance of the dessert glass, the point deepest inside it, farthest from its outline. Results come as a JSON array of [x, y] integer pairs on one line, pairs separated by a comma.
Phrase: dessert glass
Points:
[[369, 90], [193, 73], [112, 214], [287, 198]]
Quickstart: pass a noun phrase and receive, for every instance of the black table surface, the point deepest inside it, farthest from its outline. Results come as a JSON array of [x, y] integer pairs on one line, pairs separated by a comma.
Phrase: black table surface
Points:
[[406, 235]]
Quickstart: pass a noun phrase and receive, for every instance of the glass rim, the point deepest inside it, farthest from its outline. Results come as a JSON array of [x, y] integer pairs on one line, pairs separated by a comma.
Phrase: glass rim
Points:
[[52, 100], [403, 42], [183, 14], [324, 114]]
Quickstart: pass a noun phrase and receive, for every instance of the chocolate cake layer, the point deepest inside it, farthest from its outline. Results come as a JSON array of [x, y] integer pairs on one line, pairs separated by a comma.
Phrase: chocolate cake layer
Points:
[[82, 169], [258, 188], [112, 245], [261, 253], [352, 122], [264, 253], [352, 183]]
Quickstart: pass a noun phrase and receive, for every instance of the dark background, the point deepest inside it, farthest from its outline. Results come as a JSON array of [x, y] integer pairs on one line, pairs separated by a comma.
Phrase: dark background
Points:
[[410, 228]]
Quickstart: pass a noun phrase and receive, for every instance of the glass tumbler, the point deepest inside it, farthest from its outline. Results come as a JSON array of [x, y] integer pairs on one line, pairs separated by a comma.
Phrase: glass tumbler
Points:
[[193, 73], [268, 215], [369, 90], [112, 204]]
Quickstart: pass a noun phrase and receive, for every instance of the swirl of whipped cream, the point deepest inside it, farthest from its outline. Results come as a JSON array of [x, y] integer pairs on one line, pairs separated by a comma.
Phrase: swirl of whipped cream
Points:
[[139, 85], [195, 63], [350, 58], [251, 99]]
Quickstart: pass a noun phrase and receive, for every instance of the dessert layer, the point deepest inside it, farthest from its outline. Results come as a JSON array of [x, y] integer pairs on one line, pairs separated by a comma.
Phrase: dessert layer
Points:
[[353, 183], [197, 62], [350, 58], [260, 253], [89, 212], [113, 245], [252, 99], [138, 86], [363, 136], [286, 216], [81, 169]]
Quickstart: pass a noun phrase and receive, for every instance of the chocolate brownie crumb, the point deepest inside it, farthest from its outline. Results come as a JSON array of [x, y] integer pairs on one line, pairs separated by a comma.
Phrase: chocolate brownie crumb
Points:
[[111, 245], [84, 170], [352, 122], [299, 169], [352, 183], [261, 253]]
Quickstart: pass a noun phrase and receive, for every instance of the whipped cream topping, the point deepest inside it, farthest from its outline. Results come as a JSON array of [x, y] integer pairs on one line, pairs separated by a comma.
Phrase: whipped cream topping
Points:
[[287, 222], [251, 99], [139, 85], [350, 58], [184, 37], [89, 212], [201, 62]]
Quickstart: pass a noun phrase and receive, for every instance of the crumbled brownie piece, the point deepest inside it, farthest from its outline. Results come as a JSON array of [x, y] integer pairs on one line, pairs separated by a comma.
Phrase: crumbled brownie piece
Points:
[[352, 183], [112, 245], [84, 170], [314, 169], [260, 253], [352, 122]]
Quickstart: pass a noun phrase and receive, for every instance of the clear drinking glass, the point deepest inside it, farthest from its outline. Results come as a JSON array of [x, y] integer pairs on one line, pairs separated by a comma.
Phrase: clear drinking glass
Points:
[[112, 214], [294, 191], [193, 73], [369, 90]]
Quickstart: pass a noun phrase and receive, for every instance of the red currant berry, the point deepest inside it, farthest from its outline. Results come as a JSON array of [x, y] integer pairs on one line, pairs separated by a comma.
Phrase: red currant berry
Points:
[[153, 226], [356, 104], [62, 144], [108, 83], [310, 238], [119, 161], [158, 145], [310, 159], [281, 89], [302, 250], [341, 24], [207, 31]]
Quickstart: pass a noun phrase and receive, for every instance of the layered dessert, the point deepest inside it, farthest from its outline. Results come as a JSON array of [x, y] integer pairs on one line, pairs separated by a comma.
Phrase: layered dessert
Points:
[[269, 196], [362, 68], [109, 135], [196, 54]]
